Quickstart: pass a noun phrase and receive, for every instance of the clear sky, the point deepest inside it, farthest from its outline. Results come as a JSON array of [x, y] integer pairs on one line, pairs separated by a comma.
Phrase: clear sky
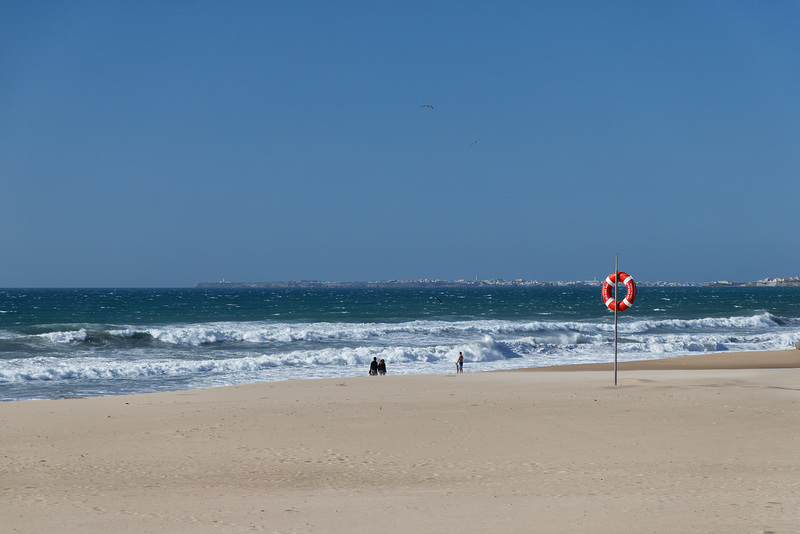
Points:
[[158, 143]]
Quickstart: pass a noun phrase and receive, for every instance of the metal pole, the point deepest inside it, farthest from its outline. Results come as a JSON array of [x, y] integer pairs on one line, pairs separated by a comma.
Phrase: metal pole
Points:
[[616, 278]]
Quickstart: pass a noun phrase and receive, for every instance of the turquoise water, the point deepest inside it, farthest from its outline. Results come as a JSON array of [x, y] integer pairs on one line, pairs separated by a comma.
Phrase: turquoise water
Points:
[[57, 343]]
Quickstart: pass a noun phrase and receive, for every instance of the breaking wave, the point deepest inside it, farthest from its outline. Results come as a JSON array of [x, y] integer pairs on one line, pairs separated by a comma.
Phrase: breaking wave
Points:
[[264, 332]]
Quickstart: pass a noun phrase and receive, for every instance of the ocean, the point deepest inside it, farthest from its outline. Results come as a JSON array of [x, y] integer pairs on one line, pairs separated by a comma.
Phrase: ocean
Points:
[[57, 343]]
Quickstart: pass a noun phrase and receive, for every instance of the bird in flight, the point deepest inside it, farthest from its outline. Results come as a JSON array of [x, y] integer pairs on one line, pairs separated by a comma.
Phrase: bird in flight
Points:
[[475, 141], [426, 106]]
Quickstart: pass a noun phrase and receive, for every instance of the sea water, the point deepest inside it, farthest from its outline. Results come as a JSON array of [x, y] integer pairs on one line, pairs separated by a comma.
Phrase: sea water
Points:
[[77, 343]]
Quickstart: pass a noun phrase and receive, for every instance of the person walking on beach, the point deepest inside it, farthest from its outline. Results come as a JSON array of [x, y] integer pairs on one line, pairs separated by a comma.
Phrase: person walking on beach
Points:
[[460, 363], [373, 367], [382, 367]]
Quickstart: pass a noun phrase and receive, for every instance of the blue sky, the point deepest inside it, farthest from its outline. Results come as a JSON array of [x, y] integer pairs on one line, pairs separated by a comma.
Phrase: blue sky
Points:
[[167, 143]]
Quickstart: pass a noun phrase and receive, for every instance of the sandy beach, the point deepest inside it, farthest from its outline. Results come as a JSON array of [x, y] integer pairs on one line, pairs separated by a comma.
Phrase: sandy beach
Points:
[[699, 444]]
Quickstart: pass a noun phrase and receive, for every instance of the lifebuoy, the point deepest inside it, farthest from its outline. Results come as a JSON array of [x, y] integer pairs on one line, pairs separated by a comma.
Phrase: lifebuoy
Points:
[[608, 291]]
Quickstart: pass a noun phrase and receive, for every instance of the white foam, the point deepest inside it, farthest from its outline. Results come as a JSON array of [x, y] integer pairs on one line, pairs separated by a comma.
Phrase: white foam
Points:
[[195, 355], [65, 337]]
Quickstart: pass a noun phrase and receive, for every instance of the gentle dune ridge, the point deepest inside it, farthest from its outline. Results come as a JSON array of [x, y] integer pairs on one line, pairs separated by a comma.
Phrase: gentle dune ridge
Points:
[[696, 444]]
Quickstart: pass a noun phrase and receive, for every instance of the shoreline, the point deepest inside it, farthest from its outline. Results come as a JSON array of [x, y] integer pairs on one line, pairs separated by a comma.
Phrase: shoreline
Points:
[[770, 359], [696, 444], [788, 358]]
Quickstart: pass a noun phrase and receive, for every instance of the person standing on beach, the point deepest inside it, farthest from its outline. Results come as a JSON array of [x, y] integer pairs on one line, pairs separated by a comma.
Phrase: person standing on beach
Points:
[[460, 363], [373, 367], [382, 367]]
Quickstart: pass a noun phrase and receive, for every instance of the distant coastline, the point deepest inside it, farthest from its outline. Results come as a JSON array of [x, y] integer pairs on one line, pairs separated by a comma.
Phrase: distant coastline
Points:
[[784, 281], [455, 284], [393, 284]]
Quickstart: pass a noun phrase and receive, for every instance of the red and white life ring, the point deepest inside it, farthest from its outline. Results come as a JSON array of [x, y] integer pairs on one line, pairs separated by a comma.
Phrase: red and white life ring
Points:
[[608, 291]]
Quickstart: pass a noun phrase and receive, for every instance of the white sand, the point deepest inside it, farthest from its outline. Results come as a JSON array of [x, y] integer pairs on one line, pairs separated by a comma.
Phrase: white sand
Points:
[[704, 449]]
